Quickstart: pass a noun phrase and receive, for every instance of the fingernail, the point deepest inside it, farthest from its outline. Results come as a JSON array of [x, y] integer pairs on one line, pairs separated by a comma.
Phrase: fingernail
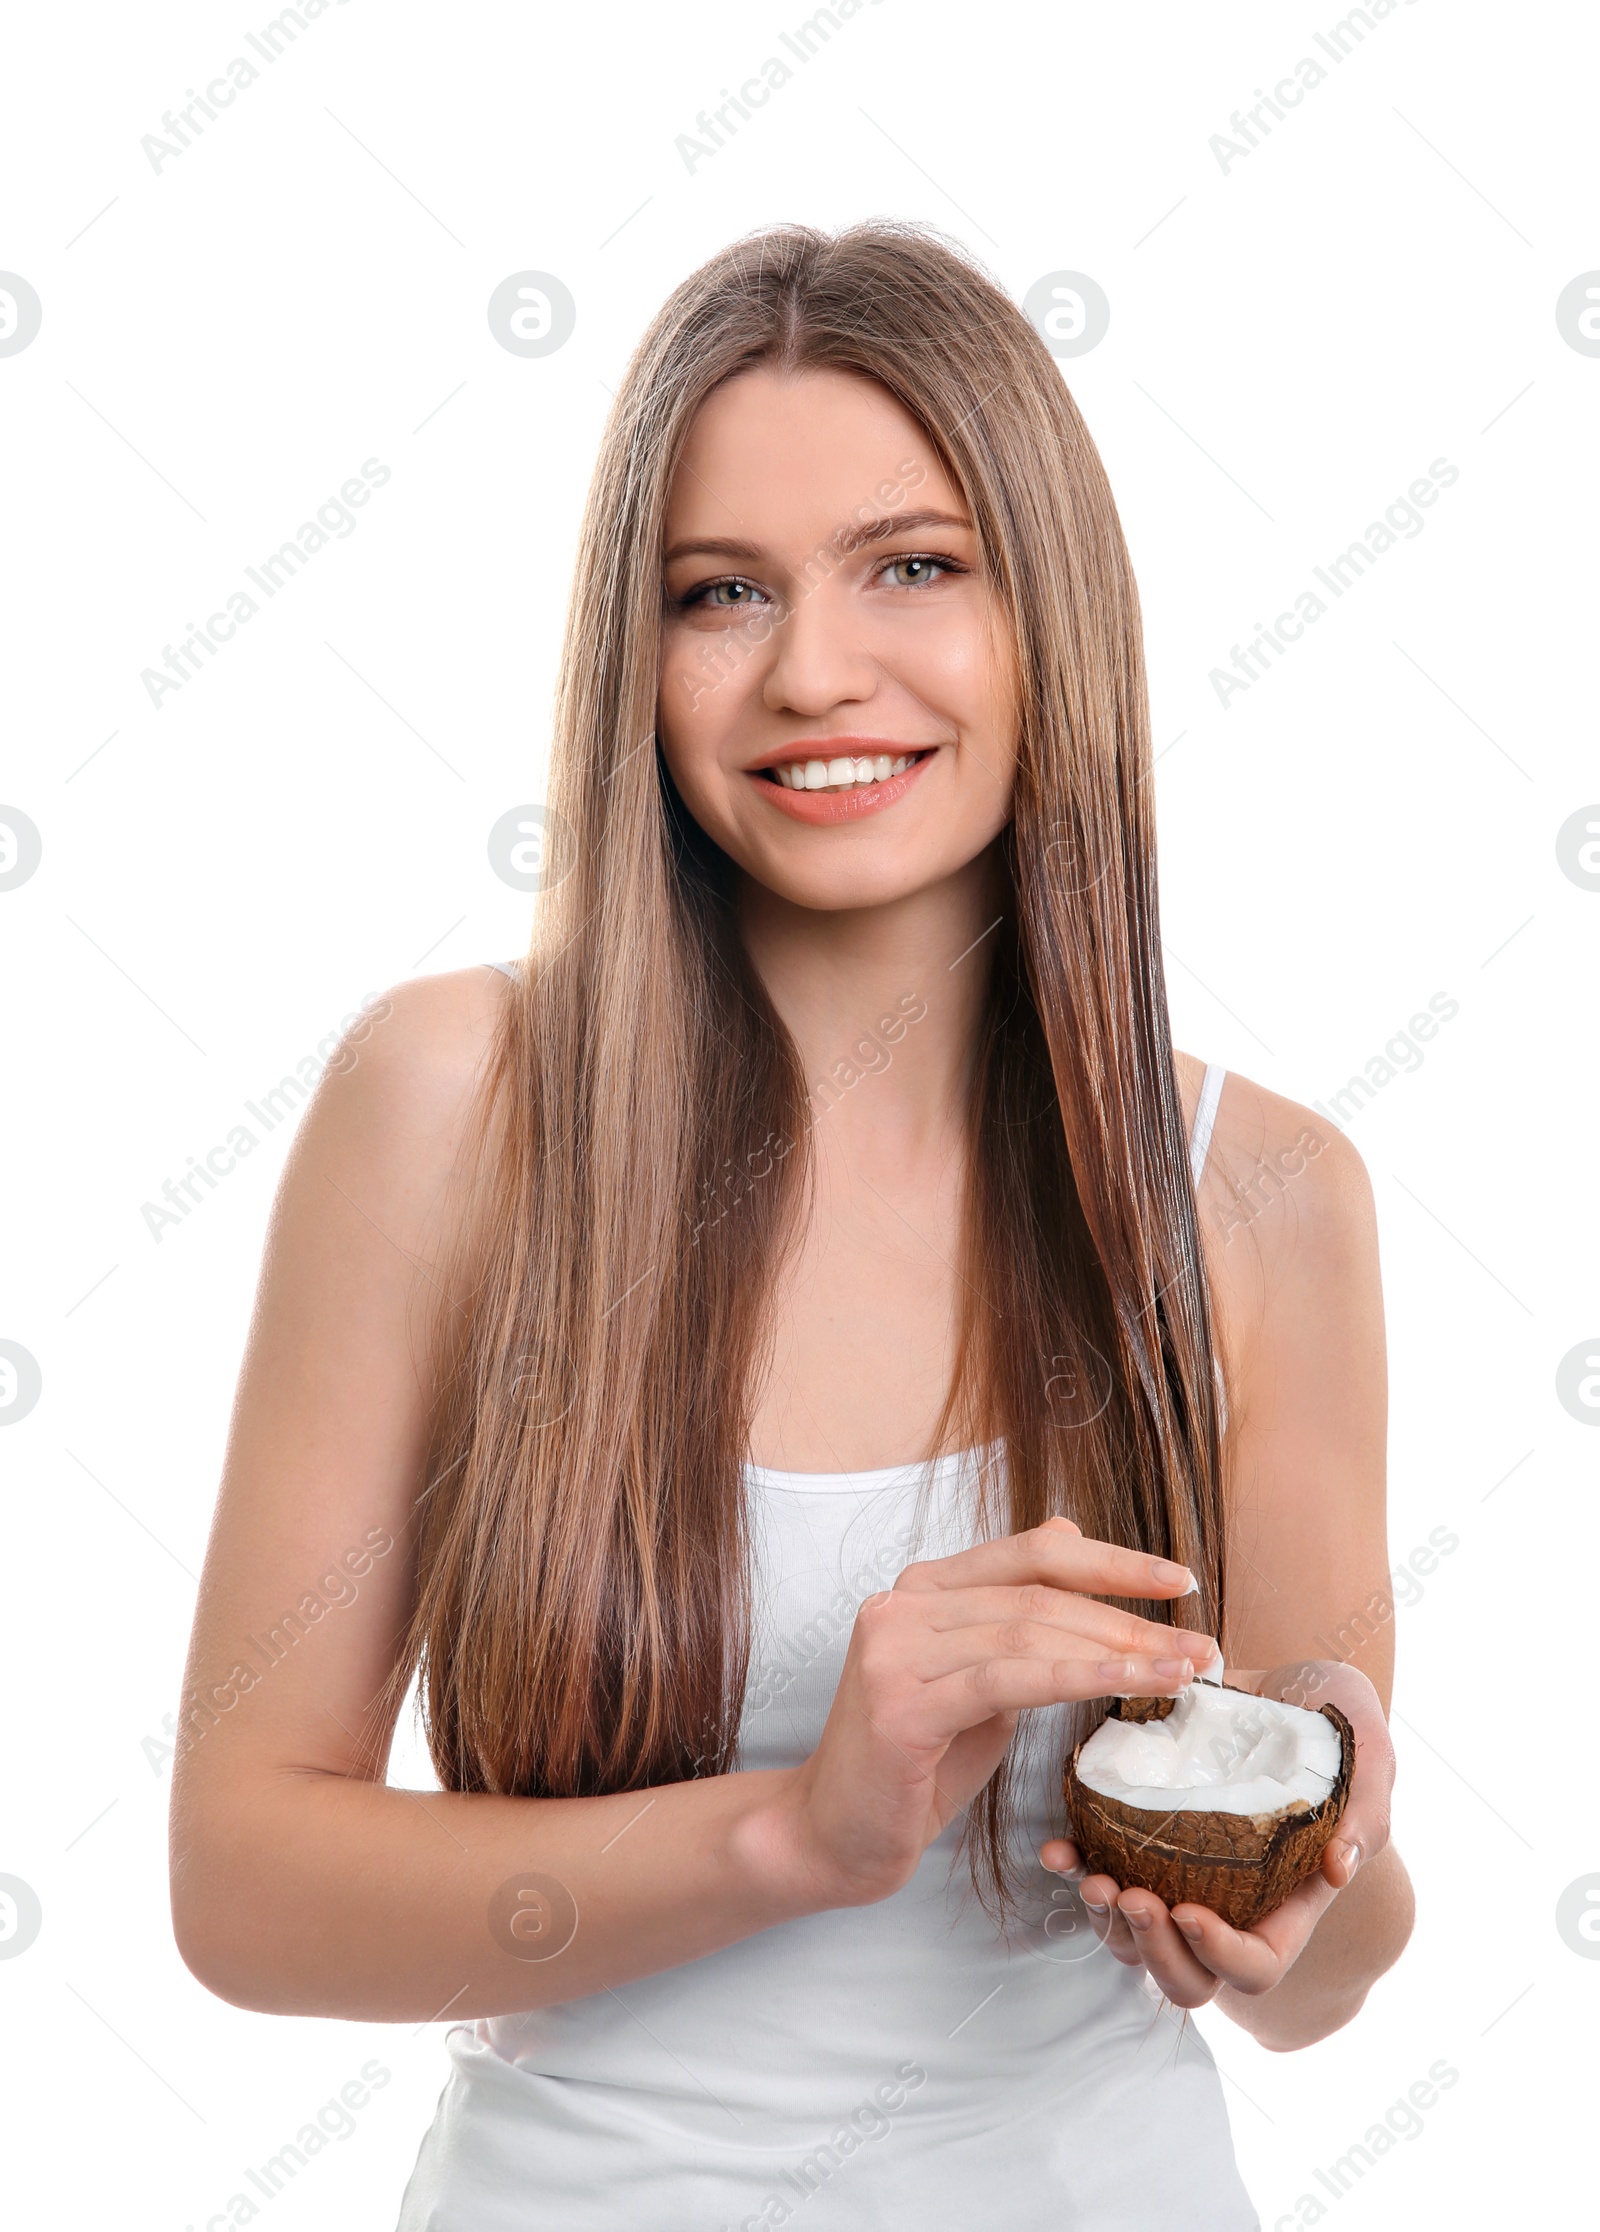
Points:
[[1176, 1669], [1191, 1930], [1136, 1918], [1094, 1906], [1167, 1571], [1350, 1854]]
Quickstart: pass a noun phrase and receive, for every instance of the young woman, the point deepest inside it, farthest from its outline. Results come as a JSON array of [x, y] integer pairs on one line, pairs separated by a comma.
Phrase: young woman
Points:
[[780, 1356]]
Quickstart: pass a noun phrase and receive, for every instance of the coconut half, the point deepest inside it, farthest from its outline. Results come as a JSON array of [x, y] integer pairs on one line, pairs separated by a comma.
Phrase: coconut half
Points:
[[1217, 1796]]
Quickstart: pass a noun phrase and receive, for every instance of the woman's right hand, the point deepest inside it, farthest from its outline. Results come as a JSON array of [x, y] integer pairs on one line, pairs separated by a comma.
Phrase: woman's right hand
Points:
[[938, 1670]]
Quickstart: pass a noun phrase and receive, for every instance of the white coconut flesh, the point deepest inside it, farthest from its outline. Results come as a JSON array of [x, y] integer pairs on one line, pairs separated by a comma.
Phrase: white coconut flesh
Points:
[[1217, 1751]]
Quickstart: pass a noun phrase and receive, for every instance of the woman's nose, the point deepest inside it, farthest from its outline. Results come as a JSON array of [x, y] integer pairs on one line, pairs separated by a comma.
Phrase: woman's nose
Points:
[[819, 657]]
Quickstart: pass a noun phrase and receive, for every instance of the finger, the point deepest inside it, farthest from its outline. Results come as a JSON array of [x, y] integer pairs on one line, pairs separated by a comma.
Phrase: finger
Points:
[[932, 1652], [1363, 1828], [1237, 1958], [969, 1694], [1058, 1554], [1099, 1895], [1241, 1959], [1104, 1624], [1288, 1928], [1254, 1960], [1061, 1856], [1341, 1857], [1166, 1951]]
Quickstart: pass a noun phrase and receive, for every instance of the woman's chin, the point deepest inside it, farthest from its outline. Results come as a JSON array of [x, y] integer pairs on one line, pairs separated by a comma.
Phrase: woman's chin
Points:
[[879, 875]]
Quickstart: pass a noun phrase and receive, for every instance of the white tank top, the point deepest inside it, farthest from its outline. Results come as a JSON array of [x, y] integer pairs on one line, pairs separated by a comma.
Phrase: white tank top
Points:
[[903, 2064]]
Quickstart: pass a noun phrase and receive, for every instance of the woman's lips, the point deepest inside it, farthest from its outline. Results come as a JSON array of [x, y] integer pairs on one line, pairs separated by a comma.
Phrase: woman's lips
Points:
[[839, 805]]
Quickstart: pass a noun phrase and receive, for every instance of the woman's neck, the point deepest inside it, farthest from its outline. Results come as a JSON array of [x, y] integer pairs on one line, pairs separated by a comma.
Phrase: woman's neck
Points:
[[883, 1002]]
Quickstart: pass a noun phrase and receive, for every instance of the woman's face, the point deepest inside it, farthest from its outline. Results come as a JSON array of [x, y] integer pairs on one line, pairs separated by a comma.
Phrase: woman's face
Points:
[[835, 704]]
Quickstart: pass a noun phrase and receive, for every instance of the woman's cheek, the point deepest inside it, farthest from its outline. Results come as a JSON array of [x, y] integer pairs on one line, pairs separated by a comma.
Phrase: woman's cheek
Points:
[[950, 663]]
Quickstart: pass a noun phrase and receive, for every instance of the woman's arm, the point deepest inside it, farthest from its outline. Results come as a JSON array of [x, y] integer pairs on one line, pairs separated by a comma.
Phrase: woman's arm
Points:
[[1291, 1241], [301, 1882], [1300, 1294]]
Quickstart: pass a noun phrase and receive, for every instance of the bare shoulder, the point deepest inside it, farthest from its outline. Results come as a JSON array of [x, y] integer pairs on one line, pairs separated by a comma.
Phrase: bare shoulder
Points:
[[1267, 1149], [384, 1176], [1285, 1198], [395, 1107], [425, 1039]]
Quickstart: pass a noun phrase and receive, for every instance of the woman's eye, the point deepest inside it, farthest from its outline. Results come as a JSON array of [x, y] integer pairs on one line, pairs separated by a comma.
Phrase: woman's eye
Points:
[[727, 596], [911, 573]]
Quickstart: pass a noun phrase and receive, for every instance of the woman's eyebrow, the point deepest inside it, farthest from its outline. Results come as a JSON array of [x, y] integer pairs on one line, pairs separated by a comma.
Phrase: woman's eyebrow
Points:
[[858, 533], [854, 535]]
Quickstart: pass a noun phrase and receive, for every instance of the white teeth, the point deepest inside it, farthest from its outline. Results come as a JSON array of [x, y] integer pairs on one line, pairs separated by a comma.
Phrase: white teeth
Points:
[[840, 774]]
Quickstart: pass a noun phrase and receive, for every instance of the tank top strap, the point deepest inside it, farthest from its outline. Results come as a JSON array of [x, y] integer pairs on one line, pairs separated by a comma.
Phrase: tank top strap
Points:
[[1205, 1117], [512, 969]]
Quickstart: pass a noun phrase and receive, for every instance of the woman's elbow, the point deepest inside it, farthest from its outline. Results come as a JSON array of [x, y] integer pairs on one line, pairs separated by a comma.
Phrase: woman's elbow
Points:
[[221, 1922]]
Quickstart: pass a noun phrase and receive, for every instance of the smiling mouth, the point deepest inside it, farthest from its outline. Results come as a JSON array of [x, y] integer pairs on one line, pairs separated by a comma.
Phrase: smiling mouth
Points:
[[840, 774]]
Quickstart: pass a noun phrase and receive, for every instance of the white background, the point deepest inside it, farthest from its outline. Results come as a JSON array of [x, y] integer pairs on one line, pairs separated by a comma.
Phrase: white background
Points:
[[1292, 341]]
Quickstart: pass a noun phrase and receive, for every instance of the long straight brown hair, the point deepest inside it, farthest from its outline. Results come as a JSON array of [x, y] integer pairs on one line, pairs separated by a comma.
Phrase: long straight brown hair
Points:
[[582, 1621]]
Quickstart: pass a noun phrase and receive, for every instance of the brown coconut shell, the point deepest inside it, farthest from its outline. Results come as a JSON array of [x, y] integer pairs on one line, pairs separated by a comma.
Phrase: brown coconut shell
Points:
[[1241, 1866]]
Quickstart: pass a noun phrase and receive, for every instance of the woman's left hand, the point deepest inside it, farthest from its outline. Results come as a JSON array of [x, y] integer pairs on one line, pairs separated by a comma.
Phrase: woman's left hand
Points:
[[1191, 1952]]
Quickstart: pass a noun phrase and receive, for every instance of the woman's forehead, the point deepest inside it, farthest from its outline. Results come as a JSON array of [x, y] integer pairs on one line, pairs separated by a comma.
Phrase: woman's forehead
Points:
[[779, 461]]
